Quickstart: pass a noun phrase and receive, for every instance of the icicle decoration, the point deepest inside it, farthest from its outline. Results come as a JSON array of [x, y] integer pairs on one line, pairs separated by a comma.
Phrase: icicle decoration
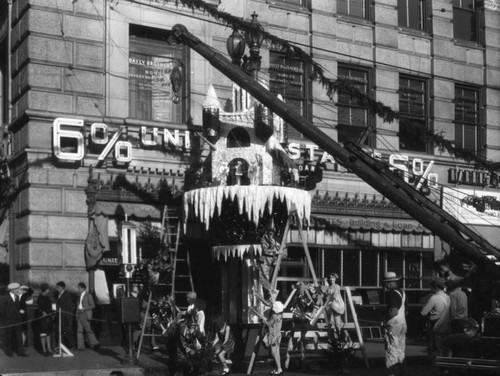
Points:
[[252, 200], [235, 250]]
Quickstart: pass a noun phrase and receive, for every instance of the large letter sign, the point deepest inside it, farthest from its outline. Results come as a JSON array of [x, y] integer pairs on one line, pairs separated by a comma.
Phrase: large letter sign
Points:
[[68, 144]]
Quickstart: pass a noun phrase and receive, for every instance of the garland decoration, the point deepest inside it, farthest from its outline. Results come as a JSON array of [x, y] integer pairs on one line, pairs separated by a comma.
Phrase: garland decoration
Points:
[[332, 86]]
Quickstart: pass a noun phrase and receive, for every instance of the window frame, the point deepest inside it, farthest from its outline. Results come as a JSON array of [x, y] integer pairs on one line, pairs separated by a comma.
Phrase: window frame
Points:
[[422, 14], [154, 43], [413, 115], [290, 132], [365, 9], [461, 98], [352, 105], [459, 8], [298, 3]]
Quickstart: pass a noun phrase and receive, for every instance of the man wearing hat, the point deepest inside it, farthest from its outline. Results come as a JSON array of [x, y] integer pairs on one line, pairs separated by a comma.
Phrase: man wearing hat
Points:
[[437, 309], [395, 325], [11, 313]]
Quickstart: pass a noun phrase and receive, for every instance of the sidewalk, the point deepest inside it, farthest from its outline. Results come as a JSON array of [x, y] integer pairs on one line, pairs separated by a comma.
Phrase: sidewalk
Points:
[[108, 359]]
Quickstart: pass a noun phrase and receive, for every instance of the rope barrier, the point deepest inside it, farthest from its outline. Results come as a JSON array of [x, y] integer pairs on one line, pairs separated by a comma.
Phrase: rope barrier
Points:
[[27, 321]]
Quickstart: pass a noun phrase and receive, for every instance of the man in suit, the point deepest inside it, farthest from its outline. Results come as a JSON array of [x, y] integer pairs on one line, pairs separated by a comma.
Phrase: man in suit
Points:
[[65, 303], [10, 309], [83, 317]]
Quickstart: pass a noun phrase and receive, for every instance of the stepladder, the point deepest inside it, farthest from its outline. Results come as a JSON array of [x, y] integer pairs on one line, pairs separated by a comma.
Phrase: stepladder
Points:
[[270, 283]]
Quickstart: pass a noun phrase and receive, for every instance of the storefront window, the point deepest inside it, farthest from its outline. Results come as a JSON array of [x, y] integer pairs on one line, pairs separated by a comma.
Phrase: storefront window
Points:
[[412, 110], [467, 119], [411, 14], [287, 77], [152, 58], [353, 120]]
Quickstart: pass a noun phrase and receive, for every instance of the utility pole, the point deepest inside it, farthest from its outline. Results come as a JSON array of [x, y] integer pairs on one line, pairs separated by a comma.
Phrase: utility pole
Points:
[[375, 173]]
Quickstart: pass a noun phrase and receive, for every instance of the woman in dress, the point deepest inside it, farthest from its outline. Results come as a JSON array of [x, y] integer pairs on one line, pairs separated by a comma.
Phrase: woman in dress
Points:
[[46, 323], [335, 306], [273, 321], [223, 343]]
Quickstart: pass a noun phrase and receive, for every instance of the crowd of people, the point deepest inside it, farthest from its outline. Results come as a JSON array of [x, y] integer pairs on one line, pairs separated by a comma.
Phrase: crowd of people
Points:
[[192, 344], [14, 314]]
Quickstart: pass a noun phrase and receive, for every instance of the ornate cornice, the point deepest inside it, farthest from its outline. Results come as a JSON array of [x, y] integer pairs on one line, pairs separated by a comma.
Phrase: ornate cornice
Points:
[[355, 204]]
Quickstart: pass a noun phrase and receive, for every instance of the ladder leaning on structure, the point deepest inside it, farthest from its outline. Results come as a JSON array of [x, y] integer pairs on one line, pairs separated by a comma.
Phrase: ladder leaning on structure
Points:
[[181, 281], [272, 285]]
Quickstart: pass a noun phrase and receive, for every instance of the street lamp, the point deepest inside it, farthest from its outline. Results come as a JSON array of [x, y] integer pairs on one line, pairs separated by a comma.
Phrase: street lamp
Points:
[[236, 47], [129, 312]]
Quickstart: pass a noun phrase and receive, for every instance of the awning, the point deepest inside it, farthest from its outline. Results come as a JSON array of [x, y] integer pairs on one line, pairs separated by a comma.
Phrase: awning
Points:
[[136, 210]]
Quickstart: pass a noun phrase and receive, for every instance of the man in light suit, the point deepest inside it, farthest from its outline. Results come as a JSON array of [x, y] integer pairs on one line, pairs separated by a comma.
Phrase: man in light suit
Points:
[[10, 310], [83, 317]]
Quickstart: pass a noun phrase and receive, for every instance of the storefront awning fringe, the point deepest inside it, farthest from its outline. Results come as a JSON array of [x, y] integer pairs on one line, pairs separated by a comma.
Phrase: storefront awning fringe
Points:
[[328, 222]]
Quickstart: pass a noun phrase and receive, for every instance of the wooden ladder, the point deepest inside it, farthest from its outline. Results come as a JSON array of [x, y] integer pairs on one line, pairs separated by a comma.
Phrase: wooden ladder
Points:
[[181, 281]]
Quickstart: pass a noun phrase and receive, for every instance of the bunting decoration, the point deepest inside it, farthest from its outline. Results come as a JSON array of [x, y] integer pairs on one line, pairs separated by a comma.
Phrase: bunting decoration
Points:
[[332, 86]]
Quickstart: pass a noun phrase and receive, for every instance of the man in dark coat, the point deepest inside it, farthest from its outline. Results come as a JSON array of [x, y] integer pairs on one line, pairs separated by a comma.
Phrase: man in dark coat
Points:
[[10, 310], [65, 303]]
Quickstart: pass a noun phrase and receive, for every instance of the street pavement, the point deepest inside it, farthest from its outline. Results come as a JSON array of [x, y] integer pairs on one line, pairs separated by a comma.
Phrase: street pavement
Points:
[[108, 359]]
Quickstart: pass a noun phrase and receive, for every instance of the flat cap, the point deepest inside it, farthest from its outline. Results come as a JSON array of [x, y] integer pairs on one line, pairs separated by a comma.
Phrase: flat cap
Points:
[[13, 286]]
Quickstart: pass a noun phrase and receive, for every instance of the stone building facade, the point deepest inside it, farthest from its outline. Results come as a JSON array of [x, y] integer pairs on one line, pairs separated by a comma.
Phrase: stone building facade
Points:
[[77, 73]]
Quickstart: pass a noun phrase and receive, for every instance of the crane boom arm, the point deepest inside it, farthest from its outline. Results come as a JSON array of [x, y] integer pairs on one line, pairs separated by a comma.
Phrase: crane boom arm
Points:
[[373, 172]]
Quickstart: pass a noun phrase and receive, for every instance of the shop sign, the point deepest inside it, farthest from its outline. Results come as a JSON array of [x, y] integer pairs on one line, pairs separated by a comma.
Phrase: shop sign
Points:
[[473, 177], [356, 223], [68, 136], [414, 171], [109, 261]]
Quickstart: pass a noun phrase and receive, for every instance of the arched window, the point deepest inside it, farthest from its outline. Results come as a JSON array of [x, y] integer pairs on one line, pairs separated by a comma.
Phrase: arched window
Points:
[[238, 138]]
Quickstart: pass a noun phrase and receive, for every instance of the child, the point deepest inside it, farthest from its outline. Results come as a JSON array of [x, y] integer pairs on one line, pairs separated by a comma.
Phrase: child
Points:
[[223, 343]]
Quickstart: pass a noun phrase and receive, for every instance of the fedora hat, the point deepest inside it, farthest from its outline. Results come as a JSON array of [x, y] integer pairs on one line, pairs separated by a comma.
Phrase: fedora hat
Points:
[[391, 277]]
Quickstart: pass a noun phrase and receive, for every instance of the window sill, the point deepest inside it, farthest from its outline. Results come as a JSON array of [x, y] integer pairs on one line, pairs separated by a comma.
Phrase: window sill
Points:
[[414, 32], [287, 6], [160, 124], [354, 20], [466, 43]]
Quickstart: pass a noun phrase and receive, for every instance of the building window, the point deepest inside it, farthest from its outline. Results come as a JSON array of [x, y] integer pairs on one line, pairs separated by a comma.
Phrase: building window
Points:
[[465, 16], [413, 111], [287, 77], [411, 14], [151, 60], [353, 8], [353, 120], [467, 119]]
